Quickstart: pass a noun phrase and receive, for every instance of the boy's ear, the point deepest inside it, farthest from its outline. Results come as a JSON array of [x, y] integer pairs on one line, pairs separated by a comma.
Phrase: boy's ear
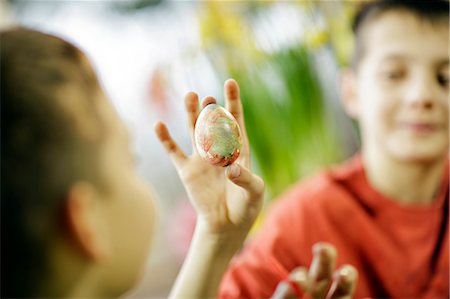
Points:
[[85, 224], [349, 93]]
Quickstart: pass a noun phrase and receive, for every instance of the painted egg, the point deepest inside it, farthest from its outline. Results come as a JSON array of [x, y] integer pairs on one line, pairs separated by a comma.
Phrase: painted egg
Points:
[[217, 136]]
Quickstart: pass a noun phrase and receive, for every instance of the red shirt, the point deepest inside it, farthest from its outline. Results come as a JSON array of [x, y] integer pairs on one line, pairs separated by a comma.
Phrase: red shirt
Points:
[[399, 251]]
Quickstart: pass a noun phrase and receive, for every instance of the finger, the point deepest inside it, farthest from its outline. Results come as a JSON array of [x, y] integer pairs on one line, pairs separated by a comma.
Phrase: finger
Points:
[[344, 283], [321, 269], [242, 177], [283, 291], [192, 110], [233, 100], [300, 276], [174, 151], [208, 100], [234, 106], [294, 286]]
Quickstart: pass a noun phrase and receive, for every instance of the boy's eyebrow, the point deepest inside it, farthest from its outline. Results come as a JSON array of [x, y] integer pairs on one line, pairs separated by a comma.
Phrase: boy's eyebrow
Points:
[[444, 62], [396, 56]]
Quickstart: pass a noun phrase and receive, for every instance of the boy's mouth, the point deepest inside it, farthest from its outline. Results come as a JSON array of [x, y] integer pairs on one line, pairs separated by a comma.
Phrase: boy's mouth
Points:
[[421, 127]]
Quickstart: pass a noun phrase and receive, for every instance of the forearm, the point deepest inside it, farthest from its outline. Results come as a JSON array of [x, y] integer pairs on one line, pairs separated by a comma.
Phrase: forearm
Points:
[[205, 264]]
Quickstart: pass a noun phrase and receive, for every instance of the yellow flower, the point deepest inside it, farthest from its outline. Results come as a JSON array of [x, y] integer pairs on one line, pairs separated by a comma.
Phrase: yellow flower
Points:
[[316, 38]]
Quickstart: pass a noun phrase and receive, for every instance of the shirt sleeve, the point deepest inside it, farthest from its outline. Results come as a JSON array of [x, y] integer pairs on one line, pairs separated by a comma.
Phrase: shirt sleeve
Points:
[[280, 246]]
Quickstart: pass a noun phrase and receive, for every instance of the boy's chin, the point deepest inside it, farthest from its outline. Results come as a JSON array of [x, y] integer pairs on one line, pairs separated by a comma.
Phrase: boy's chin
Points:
[[419, 152]]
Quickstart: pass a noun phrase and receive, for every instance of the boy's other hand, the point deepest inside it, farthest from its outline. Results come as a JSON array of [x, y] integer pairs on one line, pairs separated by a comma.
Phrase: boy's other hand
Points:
[[227, 200], [321, 280]]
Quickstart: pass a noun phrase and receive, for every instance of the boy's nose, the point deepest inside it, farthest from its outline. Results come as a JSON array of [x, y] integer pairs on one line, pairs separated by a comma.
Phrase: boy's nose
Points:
[[422, 93]]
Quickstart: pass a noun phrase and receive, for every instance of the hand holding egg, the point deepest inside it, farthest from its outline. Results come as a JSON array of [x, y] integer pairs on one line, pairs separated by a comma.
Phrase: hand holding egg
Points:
[[227, 200]]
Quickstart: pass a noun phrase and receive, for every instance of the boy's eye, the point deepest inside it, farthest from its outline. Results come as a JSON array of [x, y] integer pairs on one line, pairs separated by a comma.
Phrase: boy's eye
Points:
[[394, 75], [442, 79]]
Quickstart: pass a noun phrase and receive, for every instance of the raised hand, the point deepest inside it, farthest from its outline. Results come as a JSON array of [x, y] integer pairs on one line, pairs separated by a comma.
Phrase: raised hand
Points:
[[227, 200], [321, 280]]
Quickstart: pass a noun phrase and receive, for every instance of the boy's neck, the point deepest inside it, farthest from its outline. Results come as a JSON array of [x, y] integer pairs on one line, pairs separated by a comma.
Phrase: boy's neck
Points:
[[69, 275], [402, 181]]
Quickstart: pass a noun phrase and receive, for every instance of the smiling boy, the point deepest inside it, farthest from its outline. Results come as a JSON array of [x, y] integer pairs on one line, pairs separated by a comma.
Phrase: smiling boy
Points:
[[386, 210]]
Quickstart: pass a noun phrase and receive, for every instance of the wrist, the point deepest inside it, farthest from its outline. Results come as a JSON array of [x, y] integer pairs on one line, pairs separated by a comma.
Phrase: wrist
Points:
[[230, 240]]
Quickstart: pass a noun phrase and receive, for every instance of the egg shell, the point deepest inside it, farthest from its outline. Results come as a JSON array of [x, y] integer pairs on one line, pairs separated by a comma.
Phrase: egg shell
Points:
[[218, 137]]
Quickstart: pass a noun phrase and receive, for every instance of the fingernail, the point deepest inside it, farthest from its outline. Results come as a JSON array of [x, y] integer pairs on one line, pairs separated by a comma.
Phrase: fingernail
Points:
[[324, 250], [234, 170], [347, 273], [298, 276], [319, 250]]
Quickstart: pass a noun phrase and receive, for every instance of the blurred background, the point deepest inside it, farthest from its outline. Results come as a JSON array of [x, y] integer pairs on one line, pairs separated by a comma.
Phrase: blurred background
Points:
[[285, 55]]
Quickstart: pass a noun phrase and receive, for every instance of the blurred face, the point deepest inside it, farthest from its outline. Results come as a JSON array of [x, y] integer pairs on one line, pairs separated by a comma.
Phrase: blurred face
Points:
[[128, 208], [402, 88]]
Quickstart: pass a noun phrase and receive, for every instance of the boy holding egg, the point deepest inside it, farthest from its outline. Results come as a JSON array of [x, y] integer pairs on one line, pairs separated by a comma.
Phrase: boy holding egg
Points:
[[386, 210], [77, 220]]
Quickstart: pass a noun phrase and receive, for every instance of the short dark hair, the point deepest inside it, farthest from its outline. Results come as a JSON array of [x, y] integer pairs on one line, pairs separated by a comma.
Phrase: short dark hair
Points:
[[429, 10], [50, 138]]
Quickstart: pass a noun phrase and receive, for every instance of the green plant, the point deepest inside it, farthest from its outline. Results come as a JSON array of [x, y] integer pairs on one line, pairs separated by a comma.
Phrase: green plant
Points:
[[284, 108]]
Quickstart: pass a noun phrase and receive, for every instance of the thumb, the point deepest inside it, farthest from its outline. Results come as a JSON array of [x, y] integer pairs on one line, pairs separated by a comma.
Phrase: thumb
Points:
[[244, 178]]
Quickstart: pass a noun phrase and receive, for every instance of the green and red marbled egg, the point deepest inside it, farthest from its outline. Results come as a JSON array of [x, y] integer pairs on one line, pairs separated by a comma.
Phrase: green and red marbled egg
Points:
[[217, 136]]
